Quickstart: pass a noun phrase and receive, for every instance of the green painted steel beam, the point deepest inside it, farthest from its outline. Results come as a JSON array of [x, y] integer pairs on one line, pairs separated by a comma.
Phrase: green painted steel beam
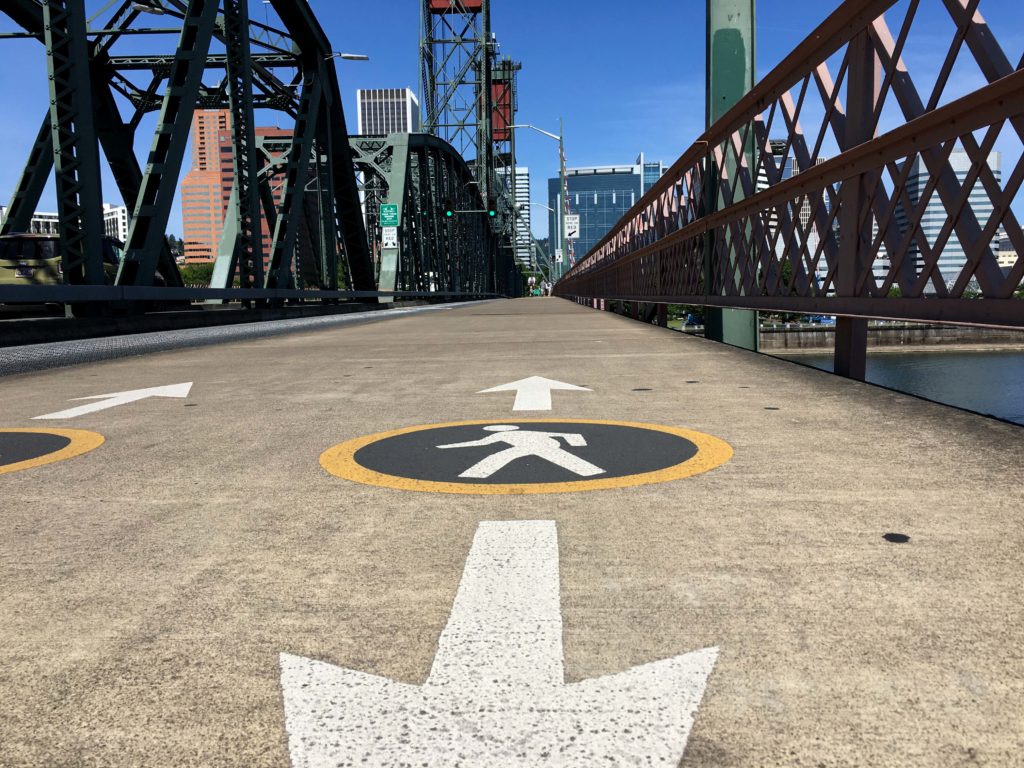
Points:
[[731, 61], [117, 139], [32, 181], [247, 249], [76, 155]]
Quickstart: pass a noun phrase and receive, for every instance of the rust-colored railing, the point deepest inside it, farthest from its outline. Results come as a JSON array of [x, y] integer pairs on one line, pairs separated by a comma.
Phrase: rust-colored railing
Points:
[[844, 183]]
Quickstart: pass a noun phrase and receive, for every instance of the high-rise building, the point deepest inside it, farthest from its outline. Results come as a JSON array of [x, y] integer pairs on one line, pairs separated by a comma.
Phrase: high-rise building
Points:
[[524, 235], [953, 258], [651, 171], [600, 195], [202, 197], [382, 111]]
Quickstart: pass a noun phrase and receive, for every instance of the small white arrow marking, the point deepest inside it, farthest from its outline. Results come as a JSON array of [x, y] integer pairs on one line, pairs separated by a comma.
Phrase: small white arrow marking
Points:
[[120, 398], [496, 694], [534, 393]]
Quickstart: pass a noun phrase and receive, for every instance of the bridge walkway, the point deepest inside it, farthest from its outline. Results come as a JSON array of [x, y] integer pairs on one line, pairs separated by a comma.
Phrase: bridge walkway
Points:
[[175, 595]]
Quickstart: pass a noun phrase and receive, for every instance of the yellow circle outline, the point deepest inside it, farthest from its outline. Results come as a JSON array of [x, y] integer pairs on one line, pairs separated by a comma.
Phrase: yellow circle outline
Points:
[[81, 442], [340, 461]]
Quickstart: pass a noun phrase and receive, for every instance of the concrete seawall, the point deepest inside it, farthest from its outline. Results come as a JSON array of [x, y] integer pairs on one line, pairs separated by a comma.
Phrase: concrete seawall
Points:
[[918, 336]]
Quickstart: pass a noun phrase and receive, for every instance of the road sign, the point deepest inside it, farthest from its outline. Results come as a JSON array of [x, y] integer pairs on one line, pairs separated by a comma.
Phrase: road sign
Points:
[[558, 256], [389, 215], [389, 237], [525, 456], [496, 693], [572, 226]]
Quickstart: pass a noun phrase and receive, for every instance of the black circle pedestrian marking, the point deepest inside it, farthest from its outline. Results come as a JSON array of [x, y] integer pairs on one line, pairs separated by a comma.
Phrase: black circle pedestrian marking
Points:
[[28, 448], [896, 538], [522, 456]]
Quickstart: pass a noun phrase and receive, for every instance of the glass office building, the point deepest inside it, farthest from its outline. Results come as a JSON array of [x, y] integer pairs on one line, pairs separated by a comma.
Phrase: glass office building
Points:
[[953, 258], [600, 195]]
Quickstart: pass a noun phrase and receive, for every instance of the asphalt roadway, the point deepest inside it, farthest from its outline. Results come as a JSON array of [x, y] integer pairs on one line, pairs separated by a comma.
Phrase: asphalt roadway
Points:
[[150, 585]]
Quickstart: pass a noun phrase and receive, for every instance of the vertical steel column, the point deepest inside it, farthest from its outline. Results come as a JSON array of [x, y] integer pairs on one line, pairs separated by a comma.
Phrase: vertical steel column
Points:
[[75, 144], [485, 171], [731, 56], [662, 315], [247, 249], [855, 223]]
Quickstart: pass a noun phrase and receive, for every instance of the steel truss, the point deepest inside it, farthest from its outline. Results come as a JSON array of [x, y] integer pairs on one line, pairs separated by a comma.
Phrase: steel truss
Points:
[[420, 174], [845, 235], [470, 100], [222, 59]]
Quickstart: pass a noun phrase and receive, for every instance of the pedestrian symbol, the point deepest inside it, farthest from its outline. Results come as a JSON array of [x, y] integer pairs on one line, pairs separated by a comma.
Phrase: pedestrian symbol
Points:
[[523, 444], [525, 456]]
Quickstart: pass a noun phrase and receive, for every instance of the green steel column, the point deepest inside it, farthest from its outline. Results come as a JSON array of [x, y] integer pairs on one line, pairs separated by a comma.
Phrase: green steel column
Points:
[[76, 151], [731, 56]]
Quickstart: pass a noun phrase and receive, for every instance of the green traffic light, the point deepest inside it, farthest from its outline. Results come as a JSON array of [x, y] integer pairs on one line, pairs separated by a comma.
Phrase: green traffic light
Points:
[[492, 213], [449, 214]]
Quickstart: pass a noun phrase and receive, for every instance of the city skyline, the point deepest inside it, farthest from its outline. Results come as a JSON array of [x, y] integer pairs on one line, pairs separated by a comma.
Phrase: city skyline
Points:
[[608, 111]]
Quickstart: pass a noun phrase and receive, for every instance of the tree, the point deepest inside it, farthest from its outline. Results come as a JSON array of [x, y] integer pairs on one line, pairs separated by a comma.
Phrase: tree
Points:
[[197, 274]]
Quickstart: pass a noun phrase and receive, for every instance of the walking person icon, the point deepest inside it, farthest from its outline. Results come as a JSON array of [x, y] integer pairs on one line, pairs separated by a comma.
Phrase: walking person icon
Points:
[[523, 443]]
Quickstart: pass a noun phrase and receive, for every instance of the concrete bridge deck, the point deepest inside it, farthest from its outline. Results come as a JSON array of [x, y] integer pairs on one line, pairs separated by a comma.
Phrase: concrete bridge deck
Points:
[[151, 584]]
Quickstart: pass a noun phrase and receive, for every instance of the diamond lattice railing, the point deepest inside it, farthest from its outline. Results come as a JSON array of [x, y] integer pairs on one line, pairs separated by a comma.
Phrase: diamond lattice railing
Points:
[[876, 172]]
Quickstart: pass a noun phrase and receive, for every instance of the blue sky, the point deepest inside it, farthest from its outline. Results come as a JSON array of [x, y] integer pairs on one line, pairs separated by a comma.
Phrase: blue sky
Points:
[[626, 77]]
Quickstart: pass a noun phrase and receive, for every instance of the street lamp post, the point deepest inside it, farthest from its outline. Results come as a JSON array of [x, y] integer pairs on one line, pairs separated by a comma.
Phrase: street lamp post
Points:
[[562, 192], [347, 56]]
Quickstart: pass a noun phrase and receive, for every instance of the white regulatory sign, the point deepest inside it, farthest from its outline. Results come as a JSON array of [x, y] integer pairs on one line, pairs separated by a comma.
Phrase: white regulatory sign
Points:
[[558, 256], [389, 237], [572, 226]]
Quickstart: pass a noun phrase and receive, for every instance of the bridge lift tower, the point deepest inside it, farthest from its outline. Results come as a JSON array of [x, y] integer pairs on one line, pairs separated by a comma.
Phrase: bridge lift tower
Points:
[[470, 100]]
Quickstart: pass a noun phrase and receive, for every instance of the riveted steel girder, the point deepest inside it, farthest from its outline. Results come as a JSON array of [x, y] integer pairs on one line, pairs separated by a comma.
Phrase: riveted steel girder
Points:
[[75, 147], [247, 249]]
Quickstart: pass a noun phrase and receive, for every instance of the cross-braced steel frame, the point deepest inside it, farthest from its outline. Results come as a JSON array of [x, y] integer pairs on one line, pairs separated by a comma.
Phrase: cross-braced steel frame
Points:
[[728, 227], [222, 59], [470, 99], [421, 174]]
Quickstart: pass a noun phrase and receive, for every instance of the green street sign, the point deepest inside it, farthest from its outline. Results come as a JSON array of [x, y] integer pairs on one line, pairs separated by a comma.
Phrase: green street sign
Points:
[[389, 215]]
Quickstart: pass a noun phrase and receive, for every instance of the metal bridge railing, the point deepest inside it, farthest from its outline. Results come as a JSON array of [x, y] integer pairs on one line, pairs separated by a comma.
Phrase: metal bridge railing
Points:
[[901, 221]]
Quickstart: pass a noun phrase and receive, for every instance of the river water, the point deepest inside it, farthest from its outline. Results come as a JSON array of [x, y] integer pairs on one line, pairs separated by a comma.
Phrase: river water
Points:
[[986, 382]]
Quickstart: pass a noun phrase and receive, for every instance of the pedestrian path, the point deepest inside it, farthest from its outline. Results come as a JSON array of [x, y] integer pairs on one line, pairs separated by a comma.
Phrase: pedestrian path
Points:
[[520, 532]]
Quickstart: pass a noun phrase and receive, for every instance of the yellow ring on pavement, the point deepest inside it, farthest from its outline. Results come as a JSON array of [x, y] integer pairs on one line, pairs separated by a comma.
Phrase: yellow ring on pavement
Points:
[[81, 442], [340, 461]]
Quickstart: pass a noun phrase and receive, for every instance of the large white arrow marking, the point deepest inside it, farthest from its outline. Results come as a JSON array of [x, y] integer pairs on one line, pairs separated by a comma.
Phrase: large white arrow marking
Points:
[[534, 393], [496, 694], [120, 398]]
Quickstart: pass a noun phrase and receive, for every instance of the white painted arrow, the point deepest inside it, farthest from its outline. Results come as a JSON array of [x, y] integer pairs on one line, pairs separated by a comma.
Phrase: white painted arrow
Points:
[[120, 398], [496, 694], [534, 393]]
